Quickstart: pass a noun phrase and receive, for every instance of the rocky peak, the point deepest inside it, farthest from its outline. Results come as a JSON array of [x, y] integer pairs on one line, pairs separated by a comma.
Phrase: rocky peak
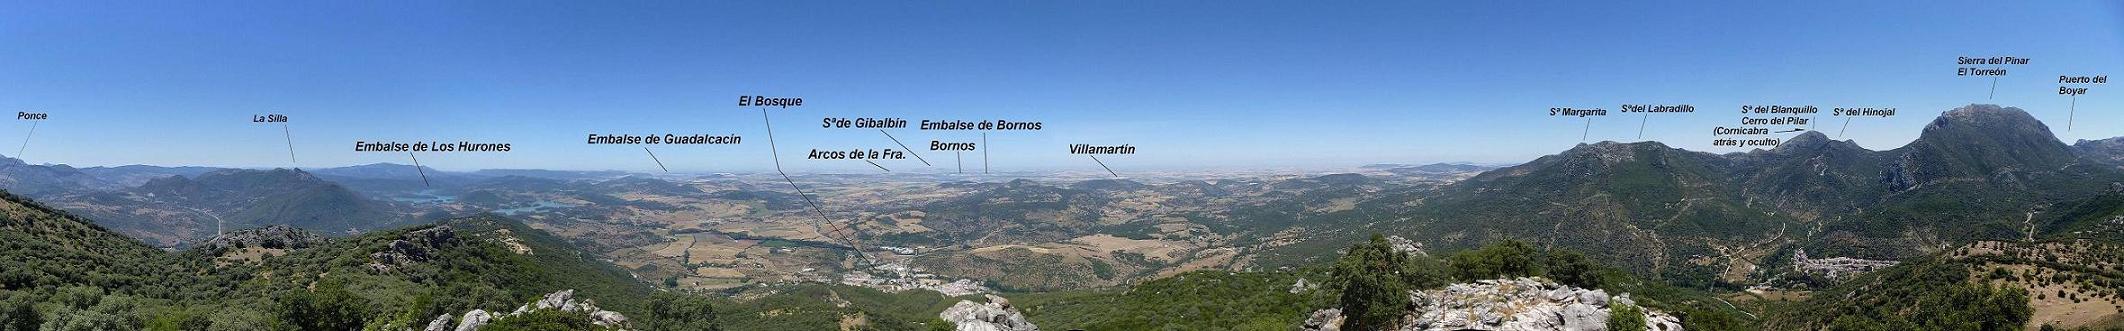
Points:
[[1609, 152], [432, 237], [411, 247], [1980, 125], [1404, 245], [1985, 115], [274, 237], [1978, 141], [563, 300], [1507, 304], [996, 315], [1812, 141], [2104, 150]]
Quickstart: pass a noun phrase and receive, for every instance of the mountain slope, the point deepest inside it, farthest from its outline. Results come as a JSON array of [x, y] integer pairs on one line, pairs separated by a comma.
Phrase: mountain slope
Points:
[[134, 175], [1021, 210], [176, 210], [77, 275], [1644, 206], [45, 180], [1979, 142], [1984, 285], [45, 248], [1979, 172], [1811, 177]]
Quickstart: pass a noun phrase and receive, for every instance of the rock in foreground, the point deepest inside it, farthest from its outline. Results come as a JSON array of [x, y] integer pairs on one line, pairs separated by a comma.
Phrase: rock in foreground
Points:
[[563, 300], [1507, 304], [996, 315]]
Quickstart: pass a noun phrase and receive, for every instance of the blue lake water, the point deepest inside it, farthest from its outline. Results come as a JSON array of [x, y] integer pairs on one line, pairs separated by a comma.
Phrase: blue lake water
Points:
[[538, 207], [424, 197]]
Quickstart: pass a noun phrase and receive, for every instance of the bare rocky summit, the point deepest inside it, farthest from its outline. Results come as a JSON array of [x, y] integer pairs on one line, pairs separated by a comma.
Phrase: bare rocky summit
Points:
[[272, 237], [1507, 304], [996, 315], [563, 300]]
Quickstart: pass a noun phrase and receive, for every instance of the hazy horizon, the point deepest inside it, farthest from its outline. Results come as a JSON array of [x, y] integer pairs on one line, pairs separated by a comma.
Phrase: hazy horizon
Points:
[[1226, 86]]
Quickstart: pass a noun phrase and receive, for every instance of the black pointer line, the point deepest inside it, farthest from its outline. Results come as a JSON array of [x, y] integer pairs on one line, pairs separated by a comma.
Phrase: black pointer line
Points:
[[659, 163], [291, 141], [417, 167], [1581, 134], [1994, 88], [1640, 126], [1102, 164], [1847, 127], [875, 164], [26, 139], [984, 154], [777, 153], [2075, 110], [925, 162]]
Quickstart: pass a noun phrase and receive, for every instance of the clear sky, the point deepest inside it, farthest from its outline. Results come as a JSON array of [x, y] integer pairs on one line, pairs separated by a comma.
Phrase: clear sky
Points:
[[1209, 84]]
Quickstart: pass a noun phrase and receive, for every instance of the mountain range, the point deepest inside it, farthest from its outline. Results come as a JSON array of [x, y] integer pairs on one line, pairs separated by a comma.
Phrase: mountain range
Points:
[[1986, 195], [1980, 172]]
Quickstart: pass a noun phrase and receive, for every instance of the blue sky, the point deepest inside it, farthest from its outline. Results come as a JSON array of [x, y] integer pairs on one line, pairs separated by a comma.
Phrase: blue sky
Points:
[[1211, 84]]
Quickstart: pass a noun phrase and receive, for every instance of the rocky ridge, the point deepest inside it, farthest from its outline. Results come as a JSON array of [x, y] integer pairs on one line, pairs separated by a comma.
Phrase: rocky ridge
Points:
[[995, 315], [1507, 304], [1405, 245], [563, 300], [412, 247], [274, 237]]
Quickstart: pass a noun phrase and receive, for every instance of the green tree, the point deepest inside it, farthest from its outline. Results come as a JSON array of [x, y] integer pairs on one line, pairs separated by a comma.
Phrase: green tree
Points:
[[329, 307], [1572, 268], [679, 312], [1694, 318], [1374, 288], [1507, 258], [1625, 317], [18, 312]]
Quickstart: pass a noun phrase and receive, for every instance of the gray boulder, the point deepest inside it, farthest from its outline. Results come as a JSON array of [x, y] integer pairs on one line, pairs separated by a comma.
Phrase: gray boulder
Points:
[[1324, 320], [474, 320], [441, 323], [607, 318], [996, 315], [1583, 317], [1516, 304]]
